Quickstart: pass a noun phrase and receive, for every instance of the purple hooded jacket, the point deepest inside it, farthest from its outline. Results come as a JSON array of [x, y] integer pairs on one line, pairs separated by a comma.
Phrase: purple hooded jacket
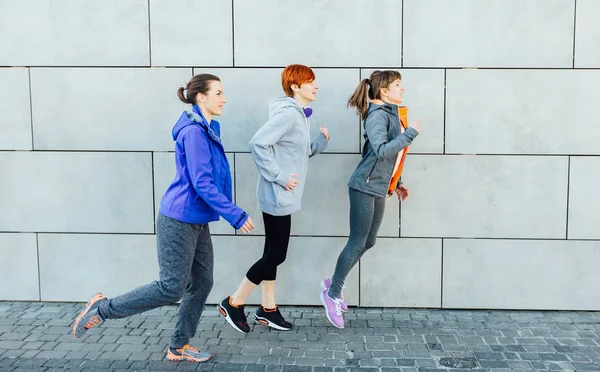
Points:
[[201, 190]]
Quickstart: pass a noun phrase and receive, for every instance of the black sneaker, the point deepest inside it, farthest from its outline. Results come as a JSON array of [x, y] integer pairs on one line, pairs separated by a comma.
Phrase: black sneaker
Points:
[[234, 315], [272, 318]]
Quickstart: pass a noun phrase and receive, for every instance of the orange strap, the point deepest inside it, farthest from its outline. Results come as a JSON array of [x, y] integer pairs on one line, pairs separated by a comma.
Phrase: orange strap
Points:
[[397, 173]]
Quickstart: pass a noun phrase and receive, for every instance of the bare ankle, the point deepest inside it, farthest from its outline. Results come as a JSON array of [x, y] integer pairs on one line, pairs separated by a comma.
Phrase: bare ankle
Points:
[[236, 301]]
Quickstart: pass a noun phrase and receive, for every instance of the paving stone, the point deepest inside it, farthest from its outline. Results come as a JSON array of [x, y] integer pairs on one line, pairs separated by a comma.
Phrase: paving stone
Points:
[[31, 363], [13, 353], [490, 356], [493, 364], [11, 344], [376, 340], [585, 366]]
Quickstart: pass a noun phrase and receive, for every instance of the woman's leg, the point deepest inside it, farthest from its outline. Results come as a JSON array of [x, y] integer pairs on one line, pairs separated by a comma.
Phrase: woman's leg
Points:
[[277, 236], [375, 225], [362, 211], [199, 285], [176, 244]]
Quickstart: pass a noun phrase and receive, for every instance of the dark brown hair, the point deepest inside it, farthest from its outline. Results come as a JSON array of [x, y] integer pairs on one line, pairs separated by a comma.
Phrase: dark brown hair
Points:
[[198, 84], [370, 89]]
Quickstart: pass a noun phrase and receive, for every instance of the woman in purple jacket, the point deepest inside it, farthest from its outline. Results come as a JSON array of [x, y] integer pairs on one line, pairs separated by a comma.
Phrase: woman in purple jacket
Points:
[[199, 194]]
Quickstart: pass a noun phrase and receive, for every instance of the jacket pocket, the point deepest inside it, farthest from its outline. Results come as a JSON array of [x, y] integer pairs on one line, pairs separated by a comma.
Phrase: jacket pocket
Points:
[[283, 197]]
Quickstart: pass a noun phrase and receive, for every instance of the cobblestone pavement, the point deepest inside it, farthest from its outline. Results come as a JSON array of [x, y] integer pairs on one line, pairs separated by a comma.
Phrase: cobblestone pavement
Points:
[[37, 337]]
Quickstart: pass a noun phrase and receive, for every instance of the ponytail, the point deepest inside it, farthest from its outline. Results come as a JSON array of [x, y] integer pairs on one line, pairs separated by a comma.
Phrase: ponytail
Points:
[[198, 84], [182, 96], [360, 98], [369, 89]]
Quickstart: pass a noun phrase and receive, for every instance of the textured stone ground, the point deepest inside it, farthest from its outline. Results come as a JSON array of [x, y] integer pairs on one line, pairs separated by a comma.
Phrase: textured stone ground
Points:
[[37, 337]]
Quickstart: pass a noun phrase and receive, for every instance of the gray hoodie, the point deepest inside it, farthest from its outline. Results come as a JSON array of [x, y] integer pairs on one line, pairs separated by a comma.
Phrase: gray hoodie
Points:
[[281, 147]]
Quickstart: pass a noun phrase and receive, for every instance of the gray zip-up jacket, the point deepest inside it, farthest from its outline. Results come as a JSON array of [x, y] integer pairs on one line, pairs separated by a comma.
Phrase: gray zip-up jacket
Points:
[[383, 142], [281, 147]]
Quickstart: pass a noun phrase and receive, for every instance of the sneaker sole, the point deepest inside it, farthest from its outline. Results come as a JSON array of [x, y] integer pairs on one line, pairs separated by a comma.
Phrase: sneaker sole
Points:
[[323, 287], [225, 315], [89, 304], [267, 322], [181, 358], [327, 313]]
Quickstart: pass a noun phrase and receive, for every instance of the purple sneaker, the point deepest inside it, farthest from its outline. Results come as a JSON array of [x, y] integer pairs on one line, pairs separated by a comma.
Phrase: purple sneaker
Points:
[[333, 309], [326, 284]]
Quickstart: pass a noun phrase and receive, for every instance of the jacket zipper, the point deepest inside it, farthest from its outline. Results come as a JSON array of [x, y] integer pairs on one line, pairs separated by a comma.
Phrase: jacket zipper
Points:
[[373, 168], [371, 172], [376, 160]]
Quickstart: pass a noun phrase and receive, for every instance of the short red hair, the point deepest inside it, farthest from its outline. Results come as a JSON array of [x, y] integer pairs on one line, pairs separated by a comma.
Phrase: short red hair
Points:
[[295, 74]]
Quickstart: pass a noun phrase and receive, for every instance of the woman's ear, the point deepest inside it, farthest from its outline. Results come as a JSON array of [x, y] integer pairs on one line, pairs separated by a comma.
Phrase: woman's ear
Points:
[[295, 87], [200, 98]]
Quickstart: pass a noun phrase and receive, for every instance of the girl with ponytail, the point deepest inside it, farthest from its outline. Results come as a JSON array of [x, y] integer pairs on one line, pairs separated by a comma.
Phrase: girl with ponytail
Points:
[[200, 193], [377, 176]]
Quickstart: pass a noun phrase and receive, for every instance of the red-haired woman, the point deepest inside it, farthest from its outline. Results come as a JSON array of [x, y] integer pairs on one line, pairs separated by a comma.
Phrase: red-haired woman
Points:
[[281, 149]]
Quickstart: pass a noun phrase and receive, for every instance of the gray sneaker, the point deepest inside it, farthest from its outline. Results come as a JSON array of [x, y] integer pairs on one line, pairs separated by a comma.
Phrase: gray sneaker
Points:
[[187, 353], [89, 317]]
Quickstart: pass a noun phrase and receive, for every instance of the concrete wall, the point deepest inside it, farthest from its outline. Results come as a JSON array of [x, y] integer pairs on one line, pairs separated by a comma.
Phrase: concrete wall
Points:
[[503, 210]]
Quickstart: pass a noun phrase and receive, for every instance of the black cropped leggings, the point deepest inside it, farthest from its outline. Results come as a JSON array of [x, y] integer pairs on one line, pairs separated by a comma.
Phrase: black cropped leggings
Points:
[[277, 238]]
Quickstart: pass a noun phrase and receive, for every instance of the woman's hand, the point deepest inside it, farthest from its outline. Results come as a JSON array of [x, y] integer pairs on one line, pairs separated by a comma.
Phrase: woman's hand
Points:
[[325, 132], [416, 125], [247, 226], [402, 192], [292, 183]]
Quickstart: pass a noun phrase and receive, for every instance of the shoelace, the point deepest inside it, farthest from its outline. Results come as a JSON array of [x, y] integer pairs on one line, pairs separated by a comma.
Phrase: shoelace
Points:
[[342, 293], [190, 348], [337, 302]]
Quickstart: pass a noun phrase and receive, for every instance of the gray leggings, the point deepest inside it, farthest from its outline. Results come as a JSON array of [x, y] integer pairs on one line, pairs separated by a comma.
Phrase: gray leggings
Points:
[[185, 260], [366, 213]]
